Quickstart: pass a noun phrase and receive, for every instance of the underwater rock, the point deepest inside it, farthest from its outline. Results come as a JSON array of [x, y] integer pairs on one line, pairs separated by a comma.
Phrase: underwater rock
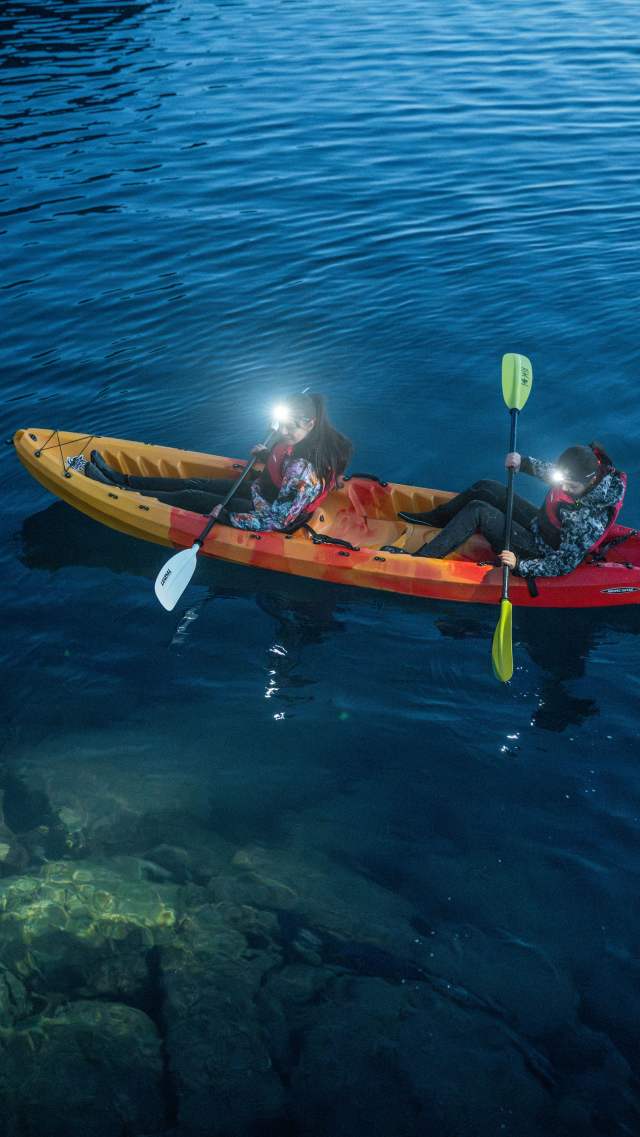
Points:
[[13, 857], [83, 930], [189, 852], [24, 807], [4, 828], [18, 809], [519, 980], [378, 1058], [298, 987], [174, 861], [318, 890], [217, 1046], [110, 791], [286, 1001], [599, 1091], [90, 1069], [260, 927], [14, 1001]]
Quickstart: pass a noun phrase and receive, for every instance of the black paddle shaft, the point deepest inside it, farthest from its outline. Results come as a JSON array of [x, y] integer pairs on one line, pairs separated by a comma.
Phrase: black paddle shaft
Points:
[[235, 487], [509, 509]]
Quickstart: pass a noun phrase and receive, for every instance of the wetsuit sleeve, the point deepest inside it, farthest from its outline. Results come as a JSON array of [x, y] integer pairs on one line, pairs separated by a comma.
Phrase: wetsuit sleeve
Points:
[[300, 487], [538, 469], [580, 530]]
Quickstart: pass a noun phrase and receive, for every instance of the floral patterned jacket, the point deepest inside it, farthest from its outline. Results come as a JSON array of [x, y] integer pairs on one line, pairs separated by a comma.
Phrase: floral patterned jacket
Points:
[[582, 525], [300, 487]]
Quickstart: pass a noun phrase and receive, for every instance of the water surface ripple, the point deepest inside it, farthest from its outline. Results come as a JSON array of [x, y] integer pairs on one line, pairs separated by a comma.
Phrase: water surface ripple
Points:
[[204, 206]]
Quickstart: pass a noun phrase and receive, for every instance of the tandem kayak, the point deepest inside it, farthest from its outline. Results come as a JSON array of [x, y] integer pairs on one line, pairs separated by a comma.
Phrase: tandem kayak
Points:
[[361, 516]]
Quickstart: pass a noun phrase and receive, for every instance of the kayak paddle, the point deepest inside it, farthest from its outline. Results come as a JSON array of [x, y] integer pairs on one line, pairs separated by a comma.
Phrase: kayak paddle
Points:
[[175, 575], [517, 379]]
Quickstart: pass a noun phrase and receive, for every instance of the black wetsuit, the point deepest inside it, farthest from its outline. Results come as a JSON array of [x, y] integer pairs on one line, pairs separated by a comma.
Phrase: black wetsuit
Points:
[[199, 495], [481, 509]]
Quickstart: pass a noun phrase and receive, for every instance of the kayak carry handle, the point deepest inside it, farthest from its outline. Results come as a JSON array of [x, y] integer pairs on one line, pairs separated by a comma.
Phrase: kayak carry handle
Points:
[[369, 477]]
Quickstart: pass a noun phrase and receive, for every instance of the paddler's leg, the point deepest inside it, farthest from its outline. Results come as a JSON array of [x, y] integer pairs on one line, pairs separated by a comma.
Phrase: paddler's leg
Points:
[[217, 488], [95, 475], [197, 500], [487, 490], [478, 517], [97, 466], [114, 476], [484, 490], [495, 493]]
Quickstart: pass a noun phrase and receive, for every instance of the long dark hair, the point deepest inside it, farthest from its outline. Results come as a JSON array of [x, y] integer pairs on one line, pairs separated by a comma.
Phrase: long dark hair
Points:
[[325, 448], [606, 463]]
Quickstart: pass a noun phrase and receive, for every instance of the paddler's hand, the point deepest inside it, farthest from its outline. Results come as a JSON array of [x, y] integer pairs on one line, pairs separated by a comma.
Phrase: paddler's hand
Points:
[[513, 460], [215, 512], [508, 558], [260, 451]]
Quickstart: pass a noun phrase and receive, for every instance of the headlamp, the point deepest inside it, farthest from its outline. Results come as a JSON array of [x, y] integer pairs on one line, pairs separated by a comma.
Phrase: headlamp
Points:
[[281, 415]]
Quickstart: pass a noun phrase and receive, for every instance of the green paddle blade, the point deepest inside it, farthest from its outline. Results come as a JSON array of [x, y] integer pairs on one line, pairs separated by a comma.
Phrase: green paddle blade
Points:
[[517, 380], [502, 648], [174, 577]]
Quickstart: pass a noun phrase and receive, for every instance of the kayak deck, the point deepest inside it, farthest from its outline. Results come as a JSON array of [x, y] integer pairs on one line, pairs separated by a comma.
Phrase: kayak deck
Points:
[[363, 512]]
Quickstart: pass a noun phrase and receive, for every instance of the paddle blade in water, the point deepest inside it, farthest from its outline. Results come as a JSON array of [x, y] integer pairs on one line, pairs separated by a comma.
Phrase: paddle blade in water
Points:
[[517, 380], [502, 648], [174, 577]]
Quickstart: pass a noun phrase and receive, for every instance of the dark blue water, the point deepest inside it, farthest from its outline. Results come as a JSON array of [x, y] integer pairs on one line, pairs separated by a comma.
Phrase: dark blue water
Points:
[[205, 207]]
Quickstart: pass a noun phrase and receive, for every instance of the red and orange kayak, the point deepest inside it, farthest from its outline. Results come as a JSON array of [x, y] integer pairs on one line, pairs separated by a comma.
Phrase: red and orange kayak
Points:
[[363, 513]]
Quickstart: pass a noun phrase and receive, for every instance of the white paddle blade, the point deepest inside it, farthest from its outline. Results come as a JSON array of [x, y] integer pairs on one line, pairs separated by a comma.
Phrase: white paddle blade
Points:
[[174, 577]]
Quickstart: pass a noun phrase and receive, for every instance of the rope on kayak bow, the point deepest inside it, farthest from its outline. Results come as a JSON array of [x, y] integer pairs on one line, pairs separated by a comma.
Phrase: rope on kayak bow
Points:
[[86, 438]]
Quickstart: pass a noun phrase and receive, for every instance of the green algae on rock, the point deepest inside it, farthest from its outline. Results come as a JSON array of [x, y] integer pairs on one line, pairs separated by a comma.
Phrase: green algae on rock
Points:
[[83, 929]]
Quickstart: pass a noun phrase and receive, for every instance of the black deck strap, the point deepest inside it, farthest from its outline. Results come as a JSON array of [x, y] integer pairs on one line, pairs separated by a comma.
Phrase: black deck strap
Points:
[[619, 540], [299, 523], [325, 539], [532, 586], [370, 477], [600, 555]]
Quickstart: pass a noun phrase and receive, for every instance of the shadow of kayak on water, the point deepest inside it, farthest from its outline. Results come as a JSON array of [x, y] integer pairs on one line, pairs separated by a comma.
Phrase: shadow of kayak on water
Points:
[[59, 537]]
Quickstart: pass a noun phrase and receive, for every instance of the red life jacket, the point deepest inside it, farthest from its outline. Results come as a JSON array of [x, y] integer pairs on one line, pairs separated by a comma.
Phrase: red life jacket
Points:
[[550, 520], [276, 462], [272, 477]]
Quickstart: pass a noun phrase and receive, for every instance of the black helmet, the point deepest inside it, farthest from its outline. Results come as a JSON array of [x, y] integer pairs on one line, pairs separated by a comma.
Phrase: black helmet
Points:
[[579, 463]]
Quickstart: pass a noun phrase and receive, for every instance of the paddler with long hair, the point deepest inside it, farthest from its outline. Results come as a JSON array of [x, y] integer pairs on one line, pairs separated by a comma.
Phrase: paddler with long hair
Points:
[[577, 517], [301, 467]]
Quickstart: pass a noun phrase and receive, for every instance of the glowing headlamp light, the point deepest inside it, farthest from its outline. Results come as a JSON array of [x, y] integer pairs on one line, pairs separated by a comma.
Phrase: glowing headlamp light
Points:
[[281, 416], [558, 476]]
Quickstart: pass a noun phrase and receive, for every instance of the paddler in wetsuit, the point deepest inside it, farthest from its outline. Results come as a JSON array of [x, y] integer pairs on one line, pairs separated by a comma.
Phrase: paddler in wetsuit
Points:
[[577, 516], [300, 469]]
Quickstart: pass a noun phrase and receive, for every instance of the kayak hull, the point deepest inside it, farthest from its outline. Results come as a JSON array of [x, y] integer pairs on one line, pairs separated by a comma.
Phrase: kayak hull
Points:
[[363, 512]]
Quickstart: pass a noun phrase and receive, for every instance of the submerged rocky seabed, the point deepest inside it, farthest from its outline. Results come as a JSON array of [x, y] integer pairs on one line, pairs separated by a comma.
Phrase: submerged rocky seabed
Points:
[[158, 978]]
